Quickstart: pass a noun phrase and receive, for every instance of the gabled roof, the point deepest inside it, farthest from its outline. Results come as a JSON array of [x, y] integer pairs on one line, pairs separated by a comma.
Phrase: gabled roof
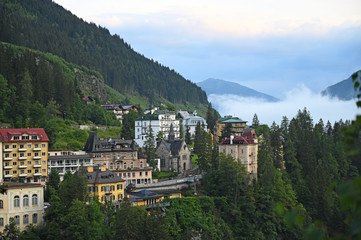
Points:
[[94, 144], [100, 177], [7, 133]]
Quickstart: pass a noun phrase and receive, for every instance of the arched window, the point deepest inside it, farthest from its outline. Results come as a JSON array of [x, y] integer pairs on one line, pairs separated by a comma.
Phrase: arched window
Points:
[[16, 201], [17, 219], [26, 200], [120, 196], [35, 217], [26, 219], [1, 204], [35, 199]]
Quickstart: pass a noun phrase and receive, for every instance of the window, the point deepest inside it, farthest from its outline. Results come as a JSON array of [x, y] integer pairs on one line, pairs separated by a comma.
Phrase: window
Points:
[[35, 218], [103, 199], [22, 155], [17, 220], [34, 137], [21, 146], [14, 146], [140, 174], [29, 154], [103, 188], [25, 138], [43, 154], [43, 170], [35, 199], [1, 222], [26, 219], [36, 145], [29, 170], [124, 174], [26, 200], [15, 163], [29, 145], [131, 165], [112, 197], [1, 204], [120, 196], [43, 162], [141, 164], [36, 171], [111, 166], [7, 164], [112, 188], [7, 155], [16, 137], [16, 201], [22, 171], [43, 145], [7, 146], [36, 154], [128, 174], [125, 165], [133, 174], [14, 154], [43, 179], [146, 173], [7, 172], [15, 171], [29, 162], [119, 186]]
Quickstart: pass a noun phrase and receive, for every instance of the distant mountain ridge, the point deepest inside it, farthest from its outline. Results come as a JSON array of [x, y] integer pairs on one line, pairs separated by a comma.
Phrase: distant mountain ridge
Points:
[[222, 87], [343, 90]]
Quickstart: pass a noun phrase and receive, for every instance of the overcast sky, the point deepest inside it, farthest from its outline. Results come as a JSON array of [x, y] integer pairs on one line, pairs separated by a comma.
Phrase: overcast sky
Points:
[[272, 46]]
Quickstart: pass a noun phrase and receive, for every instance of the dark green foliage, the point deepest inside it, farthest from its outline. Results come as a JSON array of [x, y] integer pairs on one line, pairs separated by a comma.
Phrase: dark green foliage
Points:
[[255, 121], [74, 186], [212, 117], [188, 138], [227, 131], [48, 27], [11, 231], [149, 146], [128, 129]]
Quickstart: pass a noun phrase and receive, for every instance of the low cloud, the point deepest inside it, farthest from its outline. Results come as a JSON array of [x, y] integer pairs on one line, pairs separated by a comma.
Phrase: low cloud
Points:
[[329, 109]]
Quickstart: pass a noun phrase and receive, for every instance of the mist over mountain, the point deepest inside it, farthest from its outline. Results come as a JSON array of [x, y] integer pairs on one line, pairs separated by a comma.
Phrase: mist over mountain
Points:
[[222, 87], [343, 90]]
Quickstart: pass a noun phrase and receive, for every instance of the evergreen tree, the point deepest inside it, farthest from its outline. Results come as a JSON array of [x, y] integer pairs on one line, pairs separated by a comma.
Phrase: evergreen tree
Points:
[[181, 130], [188, 136], [149, 146], [276, 145], [11, 231], [227, 131], [54, 182], [255, 121]]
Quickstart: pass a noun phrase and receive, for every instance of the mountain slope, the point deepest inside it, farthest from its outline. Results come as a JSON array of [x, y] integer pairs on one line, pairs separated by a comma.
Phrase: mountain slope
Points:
[[217, 86], [343, 90], [48, 27]]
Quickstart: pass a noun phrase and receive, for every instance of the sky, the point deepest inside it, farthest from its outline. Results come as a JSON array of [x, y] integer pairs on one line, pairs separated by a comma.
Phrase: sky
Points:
[[277, 47]]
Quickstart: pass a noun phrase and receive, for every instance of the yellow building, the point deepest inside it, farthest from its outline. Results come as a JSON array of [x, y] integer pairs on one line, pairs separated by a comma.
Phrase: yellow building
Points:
[[238, 126], [243, 149], [24, 155], [24, 202], [147, 199], [105, 185]]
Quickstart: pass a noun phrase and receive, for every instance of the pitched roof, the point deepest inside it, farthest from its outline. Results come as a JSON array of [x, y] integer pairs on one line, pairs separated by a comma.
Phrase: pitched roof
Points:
[[7, 133], [99, 177], [94, 144]]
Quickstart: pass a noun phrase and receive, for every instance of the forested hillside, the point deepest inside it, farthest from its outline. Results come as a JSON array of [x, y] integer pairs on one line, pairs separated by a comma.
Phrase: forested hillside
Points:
[[46, 26], [37, 87]]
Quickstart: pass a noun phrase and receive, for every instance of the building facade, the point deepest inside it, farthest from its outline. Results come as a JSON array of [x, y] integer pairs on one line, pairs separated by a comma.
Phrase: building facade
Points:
[[190, 121], [243, 149], [121, 157], [24, 155], [64, 161], [24, 202], [120, 110], [160, 121], [238, 126], [104, 184]]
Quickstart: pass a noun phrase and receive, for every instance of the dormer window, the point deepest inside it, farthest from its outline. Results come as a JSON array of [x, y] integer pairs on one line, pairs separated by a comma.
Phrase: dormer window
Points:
[[24, 137], [34, 137], [16, 137]]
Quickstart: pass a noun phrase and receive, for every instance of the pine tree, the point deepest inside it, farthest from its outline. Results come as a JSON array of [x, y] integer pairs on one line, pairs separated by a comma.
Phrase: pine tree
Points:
[[255, 121], [149, 146], [188, 136]]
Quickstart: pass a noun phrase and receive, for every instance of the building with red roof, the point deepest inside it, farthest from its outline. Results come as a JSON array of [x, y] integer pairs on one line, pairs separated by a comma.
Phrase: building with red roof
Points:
[[24, 155], [243, 149]]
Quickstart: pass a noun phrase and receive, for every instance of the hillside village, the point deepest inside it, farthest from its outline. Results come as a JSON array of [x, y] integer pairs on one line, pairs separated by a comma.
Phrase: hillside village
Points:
[[116, 169]]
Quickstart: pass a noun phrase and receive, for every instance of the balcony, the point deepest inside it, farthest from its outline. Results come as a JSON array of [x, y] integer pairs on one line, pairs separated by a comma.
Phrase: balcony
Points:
[[8, 150], [37, 157], [37, 165], [23, 175], [22, 149], [8, 167], [37, 174], [23, 158], [8, 158], [22, 166], [8, 176], [36, 149]]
